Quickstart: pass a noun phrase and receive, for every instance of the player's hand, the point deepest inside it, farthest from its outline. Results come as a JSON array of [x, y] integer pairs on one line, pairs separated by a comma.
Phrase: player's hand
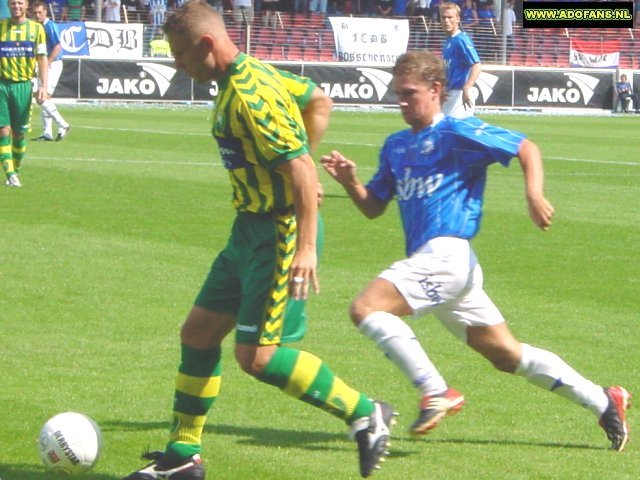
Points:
[[303, 274], [541, 212], [466, 99], [339, 167]]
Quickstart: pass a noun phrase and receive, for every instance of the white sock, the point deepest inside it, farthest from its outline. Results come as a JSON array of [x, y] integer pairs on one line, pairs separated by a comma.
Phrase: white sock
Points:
[[47, 123], [396, 339], [52, 110], [547, 370]]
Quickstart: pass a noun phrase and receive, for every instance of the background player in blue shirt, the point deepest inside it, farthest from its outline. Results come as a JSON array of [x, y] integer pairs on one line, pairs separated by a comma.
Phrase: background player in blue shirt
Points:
[[436, 170], [49, 112], [462, 64]]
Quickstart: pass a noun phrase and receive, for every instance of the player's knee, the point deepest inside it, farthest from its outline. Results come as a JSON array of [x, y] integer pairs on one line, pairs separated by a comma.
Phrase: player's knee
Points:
[[504, 360], [358, 311], [252, 359]]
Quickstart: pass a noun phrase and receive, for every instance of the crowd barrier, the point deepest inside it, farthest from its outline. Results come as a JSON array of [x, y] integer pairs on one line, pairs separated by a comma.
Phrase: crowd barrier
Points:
[[157, 80]]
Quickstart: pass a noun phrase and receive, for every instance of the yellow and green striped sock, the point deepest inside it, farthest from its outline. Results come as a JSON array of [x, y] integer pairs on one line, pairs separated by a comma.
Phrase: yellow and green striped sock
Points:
[[306, 377], [197, 387]]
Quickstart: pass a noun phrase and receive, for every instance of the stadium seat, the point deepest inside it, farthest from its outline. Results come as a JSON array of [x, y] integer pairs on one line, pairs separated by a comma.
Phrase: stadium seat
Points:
[[547, 59], [295, 52], [311, 54], [262, 52], [327, 55], [516, 58]]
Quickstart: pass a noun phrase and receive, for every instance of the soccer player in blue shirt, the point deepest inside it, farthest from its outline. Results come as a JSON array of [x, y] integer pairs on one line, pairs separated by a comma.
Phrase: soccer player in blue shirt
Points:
[[436, 170], [462, 64], [265, 142], [49, 112]]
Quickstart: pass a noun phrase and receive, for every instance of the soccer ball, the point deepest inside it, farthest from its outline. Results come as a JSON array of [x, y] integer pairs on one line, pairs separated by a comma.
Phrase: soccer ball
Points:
[[70, 443]]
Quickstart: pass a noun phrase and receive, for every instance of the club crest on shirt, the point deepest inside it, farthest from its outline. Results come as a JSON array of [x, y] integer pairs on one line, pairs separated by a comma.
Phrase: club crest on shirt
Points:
[[427, 147]]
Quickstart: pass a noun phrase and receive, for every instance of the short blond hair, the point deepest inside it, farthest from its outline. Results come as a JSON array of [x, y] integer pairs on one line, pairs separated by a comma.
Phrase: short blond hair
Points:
[[450, 6]]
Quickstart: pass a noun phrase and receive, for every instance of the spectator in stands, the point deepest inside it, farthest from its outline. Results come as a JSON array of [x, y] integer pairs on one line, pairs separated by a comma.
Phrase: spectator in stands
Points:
[[135, 11], [419, 8], [157, 9], [299, 6], [400, 8], [112, 11], [485, 33], [384, 8], [73, 11], [367, 7], [462, 63], [509, 26], [88, 10], [174, 5], [637, 13], [625, 92], [469, 17], [56, 8], [270, 9], [434, 7], [318, 6], [243, 12]]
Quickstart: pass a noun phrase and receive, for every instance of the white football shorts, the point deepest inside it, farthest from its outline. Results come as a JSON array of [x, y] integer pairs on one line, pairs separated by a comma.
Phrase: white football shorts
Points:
[[454, 107], [444, 278], [53, 77]]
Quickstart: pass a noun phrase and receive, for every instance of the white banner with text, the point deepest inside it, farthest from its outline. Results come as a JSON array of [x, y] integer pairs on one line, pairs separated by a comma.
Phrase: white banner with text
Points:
[[370, 40]]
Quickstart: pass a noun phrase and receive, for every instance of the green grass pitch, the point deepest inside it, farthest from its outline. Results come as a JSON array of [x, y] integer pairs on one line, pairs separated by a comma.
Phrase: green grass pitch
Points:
[[104, 248]]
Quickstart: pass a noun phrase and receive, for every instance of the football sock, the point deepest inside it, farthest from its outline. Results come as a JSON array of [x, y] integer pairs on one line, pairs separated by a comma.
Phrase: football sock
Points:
[[18, 149], [197, 387], [47, 122], [305, 377], [5, 156], [398, 342], [51, 109], [547, 370]]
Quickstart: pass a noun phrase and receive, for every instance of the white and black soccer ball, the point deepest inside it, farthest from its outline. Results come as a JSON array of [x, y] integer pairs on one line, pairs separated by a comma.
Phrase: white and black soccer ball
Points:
[[70, 443]]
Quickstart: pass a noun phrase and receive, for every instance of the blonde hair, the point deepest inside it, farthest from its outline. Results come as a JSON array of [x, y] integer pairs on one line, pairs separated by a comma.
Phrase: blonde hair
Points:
[[450, 6]]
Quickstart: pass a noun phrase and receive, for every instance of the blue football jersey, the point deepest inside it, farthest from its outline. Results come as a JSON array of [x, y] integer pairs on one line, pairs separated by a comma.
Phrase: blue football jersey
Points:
[[459, 55], [53, 37], [438, 176]]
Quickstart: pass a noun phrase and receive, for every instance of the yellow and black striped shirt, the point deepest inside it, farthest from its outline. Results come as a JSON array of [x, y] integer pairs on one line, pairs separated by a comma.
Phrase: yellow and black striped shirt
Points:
[[258, 126], [20, 44]]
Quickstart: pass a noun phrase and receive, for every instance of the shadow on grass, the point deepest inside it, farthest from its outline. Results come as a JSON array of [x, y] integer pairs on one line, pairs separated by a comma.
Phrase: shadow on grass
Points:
[[512, 443], [30, 472], [309, 440]]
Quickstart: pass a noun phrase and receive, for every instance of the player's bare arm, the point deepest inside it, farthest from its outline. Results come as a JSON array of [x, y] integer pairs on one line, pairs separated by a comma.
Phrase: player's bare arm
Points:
[[344, 171], [304, 186], [540, 210], [315, 116], [43, 72]]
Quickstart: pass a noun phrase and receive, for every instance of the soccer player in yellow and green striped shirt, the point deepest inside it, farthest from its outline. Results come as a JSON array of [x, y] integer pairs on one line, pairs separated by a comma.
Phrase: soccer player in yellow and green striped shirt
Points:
[[22, 47], [271, 253]]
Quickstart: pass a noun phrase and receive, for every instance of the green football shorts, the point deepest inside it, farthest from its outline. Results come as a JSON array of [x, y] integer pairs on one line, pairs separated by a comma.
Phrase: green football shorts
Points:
[[250, 277], [295, 316], [15, 105]]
